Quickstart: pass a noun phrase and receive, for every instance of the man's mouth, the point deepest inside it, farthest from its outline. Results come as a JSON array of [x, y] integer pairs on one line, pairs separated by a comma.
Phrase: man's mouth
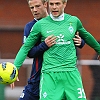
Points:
[[54, 11], [36, 14]]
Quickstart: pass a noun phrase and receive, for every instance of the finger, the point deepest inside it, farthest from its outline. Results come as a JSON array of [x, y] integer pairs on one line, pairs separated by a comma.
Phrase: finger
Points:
[[98, 57], [77, 36], [52, 40], [52, 43], [12, 86], [76, 39], [17, 79], [50, 36], [77, 33], [77, 44]]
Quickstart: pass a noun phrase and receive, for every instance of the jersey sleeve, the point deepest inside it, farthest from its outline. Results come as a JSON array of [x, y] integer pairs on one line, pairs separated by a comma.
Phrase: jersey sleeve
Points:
[[30, 42], [82, 44], [88, 38], [26, 32], [38, 50]]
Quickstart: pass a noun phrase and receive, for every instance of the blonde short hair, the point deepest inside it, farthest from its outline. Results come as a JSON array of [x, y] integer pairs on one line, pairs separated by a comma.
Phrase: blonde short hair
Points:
[[62, 0], [41, 0]]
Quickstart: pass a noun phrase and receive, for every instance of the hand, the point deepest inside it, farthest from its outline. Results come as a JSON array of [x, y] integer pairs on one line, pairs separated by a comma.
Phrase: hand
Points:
[[98, 57], [50, 40], [77, 39], [13, 84]]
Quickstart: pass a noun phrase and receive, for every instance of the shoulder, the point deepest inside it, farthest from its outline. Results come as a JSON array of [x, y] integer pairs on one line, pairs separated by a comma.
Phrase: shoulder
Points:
[[71, 18], [41, 22], [31, 23], [47, 18], [28, 27]]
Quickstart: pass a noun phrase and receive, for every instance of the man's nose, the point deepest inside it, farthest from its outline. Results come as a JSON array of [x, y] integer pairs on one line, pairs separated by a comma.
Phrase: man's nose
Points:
[[35, 9], [54, 6]]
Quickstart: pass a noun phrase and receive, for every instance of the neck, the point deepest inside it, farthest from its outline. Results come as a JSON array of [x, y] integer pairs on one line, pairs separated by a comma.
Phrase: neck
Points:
[[46, 14], [59, 18]]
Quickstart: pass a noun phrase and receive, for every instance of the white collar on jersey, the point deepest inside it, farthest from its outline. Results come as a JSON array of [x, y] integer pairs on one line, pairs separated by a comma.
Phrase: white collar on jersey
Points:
[[36, 19], [60, 18]]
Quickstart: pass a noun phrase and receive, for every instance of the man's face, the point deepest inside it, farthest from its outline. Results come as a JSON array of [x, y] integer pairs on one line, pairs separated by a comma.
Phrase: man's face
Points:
[[37, 8], [56, 7]]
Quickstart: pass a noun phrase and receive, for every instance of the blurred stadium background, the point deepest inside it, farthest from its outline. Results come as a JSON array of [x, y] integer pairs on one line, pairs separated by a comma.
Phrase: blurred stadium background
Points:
[[14, 14]]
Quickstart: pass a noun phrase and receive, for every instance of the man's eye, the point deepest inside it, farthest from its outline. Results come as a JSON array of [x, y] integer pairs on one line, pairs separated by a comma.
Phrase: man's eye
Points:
[[51, 4], [38, 6], [31, 7], [57, 3]]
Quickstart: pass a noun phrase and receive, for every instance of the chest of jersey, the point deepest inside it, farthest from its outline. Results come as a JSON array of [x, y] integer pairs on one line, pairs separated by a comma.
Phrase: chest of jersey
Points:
[[64, 31]]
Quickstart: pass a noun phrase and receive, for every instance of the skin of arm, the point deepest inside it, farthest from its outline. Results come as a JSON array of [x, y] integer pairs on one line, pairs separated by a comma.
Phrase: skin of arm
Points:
[[78, 41]]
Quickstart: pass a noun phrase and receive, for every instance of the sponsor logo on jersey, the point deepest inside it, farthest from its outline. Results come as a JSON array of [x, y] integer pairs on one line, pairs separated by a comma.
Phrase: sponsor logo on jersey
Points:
[[60, 40], [50, 31]]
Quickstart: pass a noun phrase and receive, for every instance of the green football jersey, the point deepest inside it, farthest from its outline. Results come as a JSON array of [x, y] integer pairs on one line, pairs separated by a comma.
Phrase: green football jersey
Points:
[[62, 55]]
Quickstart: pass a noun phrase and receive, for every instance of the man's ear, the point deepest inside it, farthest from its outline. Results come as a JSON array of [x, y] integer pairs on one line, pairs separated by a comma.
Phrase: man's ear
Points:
[[65, 3], [45, 4]]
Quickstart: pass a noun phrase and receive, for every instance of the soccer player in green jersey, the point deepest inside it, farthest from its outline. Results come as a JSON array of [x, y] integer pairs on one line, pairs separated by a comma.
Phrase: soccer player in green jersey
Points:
[[60, 77]]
